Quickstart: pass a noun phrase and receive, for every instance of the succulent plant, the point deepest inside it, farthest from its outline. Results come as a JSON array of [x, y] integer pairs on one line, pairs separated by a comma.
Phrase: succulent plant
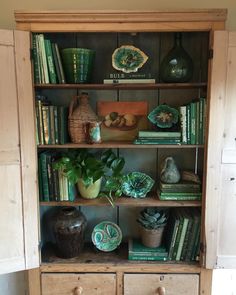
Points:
[[152, 218]]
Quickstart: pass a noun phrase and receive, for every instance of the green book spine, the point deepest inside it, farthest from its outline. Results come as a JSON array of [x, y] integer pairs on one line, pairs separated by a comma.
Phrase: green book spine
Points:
[[63, 80], [176, 245], [187, 237], [40, 180], [195, 245], [40, 114], [136, 247], [45, 185], [55, 179], [55, 111], [201, 106], [56, 63], [180, 190], [46, 124], [37, 78], [193, 122], [60, 177], [180, 198], [52, 125], [182, 237], [196, 224], [172, 233], [71, 192], [183, 123], [50, 62], [40, 61], [204, 119], [63, 125], [188, 117], [44, 58], [147, 258], [197, 122], [50, 177], [38, 137], [156, 134], [157, 141], [180, 185]]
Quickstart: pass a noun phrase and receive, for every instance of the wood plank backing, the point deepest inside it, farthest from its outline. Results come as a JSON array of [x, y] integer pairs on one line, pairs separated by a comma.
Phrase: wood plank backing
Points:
[[28, 147], [34, 281]]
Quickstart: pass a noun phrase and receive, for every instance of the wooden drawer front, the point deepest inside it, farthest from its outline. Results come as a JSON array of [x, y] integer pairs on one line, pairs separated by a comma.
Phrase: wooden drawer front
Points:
[[150, 284], [76, 284]]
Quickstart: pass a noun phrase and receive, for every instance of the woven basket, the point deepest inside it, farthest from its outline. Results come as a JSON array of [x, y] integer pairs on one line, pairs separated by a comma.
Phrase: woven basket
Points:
[[151, 237], [80, 112]]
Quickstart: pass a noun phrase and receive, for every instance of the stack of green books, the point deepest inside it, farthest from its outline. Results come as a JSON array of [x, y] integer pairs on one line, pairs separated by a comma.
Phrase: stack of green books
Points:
[[137, 251], [184, 190], [156, 137]]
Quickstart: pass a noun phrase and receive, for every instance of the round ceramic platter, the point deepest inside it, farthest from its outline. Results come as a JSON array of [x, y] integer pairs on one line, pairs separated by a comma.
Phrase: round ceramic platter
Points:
[[128, 58], [106, 236]]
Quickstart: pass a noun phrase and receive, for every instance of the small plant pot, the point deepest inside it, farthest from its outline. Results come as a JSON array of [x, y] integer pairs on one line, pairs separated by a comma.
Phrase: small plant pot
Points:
[[90, 192], [151, 238]]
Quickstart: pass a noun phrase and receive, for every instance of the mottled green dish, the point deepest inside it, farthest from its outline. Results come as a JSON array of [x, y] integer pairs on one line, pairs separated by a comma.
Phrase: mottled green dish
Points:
[[106, 236], [164, 116], [137, 185], [128, 58]]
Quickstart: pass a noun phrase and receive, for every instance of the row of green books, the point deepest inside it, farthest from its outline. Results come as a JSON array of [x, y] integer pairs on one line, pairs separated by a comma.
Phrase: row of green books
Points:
[[182, 238], [183, 190], [193, 122], [47, 61], [53, 185], [156, 137], [51, 123]]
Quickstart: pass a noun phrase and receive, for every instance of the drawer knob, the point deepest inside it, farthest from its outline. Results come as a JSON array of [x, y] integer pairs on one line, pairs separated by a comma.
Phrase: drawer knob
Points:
[[78, 291], [161, 291]]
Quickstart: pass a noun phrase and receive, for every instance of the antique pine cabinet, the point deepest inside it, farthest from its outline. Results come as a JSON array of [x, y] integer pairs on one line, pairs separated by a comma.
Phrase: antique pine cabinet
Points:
[[23, 234]]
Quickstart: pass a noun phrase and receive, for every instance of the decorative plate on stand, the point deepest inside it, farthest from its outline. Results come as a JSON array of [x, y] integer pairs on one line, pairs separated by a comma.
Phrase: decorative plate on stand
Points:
[[106, 236]]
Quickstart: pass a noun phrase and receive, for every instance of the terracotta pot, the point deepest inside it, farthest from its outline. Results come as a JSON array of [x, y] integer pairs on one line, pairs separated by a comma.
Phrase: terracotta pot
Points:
[[151, 238], [90, 192]]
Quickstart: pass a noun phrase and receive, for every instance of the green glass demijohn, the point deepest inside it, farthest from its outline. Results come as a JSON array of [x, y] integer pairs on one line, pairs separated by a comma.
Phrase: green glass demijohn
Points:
[[177, 65]]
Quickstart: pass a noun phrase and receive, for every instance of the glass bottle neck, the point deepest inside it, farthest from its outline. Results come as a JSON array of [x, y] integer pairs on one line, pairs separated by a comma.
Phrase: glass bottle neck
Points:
[[178, 39]]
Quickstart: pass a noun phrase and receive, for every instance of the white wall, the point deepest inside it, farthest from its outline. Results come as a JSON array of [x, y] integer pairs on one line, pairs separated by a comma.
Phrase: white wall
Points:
[[13, 284]]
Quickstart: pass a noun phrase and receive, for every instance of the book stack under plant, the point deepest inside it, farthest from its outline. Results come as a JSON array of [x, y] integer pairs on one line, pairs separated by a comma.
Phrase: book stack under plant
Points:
[[156, 137], [137, 251], [183, 190]]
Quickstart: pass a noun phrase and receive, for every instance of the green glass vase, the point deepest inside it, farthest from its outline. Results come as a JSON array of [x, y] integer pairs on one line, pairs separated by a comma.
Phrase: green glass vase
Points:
[[177, 65]]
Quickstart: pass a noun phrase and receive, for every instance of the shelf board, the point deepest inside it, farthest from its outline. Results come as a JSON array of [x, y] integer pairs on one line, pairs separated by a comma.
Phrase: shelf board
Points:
[[151, 201], [117, 144], [92, 260], [128, 86]]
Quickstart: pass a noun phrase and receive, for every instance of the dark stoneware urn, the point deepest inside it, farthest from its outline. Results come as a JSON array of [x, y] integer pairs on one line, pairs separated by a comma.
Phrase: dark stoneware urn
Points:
[[68, 228]]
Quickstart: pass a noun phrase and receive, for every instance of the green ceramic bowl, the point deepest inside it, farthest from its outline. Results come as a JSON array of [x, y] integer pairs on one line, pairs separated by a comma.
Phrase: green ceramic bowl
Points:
[[77, 64]]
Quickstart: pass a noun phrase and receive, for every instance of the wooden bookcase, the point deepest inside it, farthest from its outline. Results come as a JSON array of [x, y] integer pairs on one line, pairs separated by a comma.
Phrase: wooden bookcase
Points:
[[153, 32]]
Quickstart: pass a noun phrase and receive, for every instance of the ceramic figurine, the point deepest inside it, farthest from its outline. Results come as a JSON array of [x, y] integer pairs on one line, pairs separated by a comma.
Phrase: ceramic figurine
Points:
[[169, 172]]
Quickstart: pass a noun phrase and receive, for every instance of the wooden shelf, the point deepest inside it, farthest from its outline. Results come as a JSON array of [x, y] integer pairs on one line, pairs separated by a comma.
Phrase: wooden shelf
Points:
[[116, 144], [151, 201], [129, 86], [96, 261]]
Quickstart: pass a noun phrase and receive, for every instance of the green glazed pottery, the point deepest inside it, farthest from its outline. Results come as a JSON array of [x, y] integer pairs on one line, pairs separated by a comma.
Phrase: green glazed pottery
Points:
[[78, 64], [164, 116]]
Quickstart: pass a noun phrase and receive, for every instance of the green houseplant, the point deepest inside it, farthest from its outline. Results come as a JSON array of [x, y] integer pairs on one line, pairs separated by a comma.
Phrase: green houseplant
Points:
[[152, 222], [87, 170]]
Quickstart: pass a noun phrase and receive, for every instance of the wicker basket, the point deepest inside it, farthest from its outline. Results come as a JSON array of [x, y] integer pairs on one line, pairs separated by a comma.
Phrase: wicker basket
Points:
[[80, 112], [151, 237]]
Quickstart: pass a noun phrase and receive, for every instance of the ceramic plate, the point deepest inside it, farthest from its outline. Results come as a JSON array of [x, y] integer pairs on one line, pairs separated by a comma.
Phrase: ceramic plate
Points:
[[137, 185], [128, 58], [164, 116], [106, 236]]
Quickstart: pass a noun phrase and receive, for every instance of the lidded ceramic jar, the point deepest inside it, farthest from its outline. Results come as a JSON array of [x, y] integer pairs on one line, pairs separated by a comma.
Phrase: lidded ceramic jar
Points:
[[68, 229]]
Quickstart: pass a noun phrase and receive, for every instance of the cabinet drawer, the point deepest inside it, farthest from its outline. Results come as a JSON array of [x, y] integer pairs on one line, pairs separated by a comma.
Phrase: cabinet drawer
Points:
[[150, 284], [76, 284]]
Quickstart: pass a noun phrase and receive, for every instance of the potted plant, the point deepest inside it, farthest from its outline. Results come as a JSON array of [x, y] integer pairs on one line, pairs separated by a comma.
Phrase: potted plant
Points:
[[152, 223], [85, 169]]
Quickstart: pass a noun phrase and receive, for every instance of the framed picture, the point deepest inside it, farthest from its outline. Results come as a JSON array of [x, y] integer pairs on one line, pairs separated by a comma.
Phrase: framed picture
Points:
[[121, 121]]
